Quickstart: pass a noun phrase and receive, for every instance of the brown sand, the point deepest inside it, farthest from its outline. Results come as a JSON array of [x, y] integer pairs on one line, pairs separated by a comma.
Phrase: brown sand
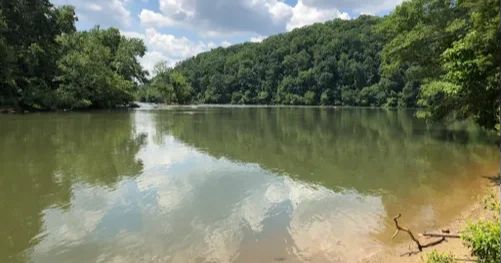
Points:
[[455, 246]]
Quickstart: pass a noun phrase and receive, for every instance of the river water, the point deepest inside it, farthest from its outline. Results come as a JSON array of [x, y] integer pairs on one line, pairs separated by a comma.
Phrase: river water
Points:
[[229, 184]]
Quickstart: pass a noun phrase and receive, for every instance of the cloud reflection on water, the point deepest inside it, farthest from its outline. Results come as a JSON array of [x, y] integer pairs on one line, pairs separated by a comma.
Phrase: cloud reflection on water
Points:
[[187, 206]]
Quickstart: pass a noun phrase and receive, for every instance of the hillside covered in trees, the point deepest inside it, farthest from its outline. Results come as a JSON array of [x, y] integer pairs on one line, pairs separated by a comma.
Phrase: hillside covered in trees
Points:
[[328, 64], [439, 55]]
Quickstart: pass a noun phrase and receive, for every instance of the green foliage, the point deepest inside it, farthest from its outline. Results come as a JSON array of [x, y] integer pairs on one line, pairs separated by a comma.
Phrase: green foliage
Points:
[[148, 93], [99, 69], [308, 66], [483, 238], [433, 98], [441, 55], [453, 49], [47, 65], [167, 86], [28, 50], [437, 257], [491, 203], [472, 63]]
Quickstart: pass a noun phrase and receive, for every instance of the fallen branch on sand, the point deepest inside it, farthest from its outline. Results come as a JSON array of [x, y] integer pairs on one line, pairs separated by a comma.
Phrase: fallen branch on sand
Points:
[[399, 228], [418, 244], [440, 235]]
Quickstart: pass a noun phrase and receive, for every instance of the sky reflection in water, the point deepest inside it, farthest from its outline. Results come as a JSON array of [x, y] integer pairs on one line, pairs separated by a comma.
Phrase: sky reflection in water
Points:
[[203, 195]]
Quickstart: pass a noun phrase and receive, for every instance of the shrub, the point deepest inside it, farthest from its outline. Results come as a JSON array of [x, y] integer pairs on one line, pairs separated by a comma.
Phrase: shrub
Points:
[[437, 257], [483, 238]]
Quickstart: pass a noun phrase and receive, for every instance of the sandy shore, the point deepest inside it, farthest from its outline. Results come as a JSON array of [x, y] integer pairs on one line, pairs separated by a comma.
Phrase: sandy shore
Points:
[[455, 246]]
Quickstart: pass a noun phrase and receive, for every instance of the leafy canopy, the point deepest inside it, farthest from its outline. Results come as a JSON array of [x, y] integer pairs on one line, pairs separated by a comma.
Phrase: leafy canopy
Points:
[[99, 68], [47, 65]]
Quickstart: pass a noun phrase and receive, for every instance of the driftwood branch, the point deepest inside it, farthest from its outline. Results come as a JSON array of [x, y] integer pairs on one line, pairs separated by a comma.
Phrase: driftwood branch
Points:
[[399, 228], [418, 244], [440, 235]]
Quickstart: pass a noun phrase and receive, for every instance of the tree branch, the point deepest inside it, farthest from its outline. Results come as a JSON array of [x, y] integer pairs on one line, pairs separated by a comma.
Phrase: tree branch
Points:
[[440, 235], [399, 228], [418, 244]]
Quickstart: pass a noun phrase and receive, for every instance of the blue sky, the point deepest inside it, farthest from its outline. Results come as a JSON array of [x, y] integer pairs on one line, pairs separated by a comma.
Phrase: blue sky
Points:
[[174, 30]]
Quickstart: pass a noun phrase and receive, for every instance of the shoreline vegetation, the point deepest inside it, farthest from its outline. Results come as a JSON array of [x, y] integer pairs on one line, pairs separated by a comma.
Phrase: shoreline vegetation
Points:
[[438, 55]]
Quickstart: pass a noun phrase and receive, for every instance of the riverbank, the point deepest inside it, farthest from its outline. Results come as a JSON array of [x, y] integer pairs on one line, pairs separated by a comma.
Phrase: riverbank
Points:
[[19, 110], [7, 110], [472, 213]]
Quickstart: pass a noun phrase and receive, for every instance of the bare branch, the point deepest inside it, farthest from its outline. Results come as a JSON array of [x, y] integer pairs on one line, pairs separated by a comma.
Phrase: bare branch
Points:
[[399, 228], [418, 244], [440, 235]]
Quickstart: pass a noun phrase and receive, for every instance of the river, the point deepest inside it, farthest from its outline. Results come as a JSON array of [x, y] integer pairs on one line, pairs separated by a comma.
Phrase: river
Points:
[[229, 184]]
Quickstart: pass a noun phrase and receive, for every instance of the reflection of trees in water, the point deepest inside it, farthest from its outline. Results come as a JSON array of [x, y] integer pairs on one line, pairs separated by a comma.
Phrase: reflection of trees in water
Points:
[[414, 167], [354, 148], [41, 157]]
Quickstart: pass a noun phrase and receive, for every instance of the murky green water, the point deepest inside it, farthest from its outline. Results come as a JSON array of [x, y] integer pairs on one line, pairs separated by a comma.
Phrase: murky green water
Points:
[[212, 184]]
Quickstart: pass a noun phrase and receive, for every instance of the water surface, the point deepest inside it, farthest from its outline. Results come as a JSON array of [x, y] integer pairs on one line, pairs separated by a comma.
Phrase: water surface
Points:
[[223, 184]]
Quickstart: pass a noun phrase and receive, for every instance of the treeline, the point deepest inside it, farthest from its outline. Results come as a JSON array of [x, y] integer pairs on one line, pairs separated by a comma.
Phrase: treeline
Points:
[[442, 56], [439, 55], [335, 63], [46, 64]]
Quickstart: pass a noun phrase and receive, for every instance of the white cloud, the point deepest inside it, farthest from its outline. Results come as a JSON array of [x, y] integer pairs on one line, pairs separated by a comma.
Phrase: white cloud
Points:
[[178, 9], [150, 18], [132, 34], [305, 15], [94, 7], [219, 17], [172, 46], [169, 48], [151, 58], [257, 39], [99, 12], [356, 6], [280, 11], [224, 16], [225, 43]]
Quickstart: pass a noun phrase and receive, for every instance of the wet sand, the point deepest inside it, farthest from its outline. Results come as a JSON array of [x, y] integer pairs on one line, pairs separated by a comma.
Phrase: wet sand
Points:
[[472, 213]]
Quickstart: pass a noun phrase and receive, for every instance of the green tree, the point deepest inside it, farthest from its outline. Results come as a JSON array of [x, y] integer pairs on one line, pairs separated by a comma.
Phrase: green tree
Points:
[[310, 65], [182, 90], [170, 85], [445, 54], [29, 51], [470, 85], [99, 69]]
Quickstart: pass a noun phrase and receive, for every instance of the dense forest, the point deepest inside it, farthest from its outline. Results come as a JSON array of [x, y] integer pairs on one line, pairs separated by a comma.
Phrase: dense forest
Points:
[[442, 56], [335, 63], [46, 64]]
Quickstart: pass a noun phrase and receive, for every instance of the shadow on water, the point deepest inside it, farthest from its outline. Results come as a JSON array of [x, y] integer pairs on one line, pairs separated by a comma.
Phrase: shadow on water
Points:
[[43, 155]]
